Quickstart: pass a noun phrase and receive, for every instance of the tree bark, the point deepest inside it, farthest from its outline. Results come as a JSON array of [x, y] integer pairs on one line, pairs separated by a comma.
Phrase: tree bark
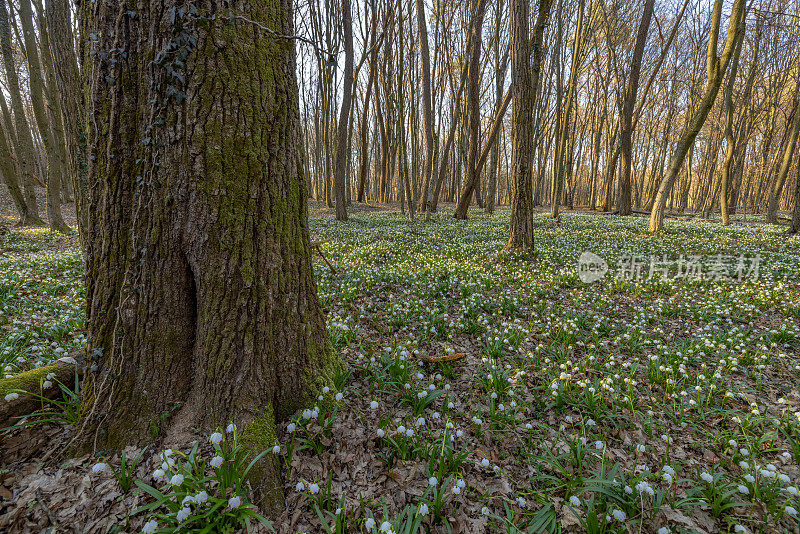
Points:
[[525, 84], [202, 302]]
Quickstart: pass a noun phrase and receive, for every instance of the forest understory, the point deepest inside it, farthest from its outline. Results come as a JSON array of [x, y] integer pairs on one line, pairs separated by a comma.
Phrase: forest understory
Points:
[[486, 391]]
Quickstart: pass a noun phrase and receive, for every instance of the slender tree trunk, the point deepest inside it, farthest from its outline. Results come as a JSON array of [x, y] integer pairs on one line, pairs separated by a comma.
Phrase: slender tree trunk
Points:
[[24, 149], [342, 152], [427, 112], [221, 323], [717, 66], [525, 83], [786, 161], [56, 170], [626, 113], [474, 117]]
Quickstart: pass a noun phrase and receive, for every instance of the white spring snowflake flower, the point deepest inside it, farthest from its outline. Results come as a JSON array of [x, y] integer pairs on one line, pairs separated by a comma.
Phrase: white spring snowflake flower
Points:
[[456, 490], [386, 526], [176, 479], [313, 488], [706, 476], [300, 486], [423, 509], [235, 501], [99, 467], [373, 405], [433, 481], [325, 390], [741, 528], [644, 487], [216, 461], [150, 527], [485, 462], [215, 438], [401, 429], [369, 524], [11, 396], [791, 510], [187, 499], [158, 474], [750, 478], [231, 428], [575, 500], [276, 449], [339, 396], [521, 501], [792, 490], [380, 432], [182, 514], [743, 489], [664, 530], [485, 511], [201, 497], [47, 384], [619, 515], [291, 427]]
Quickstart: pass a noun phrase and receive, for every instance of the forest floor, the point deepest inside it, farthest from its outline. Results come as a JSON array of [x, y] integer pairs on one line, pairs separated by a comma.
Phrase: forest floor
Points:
[[487, 391]]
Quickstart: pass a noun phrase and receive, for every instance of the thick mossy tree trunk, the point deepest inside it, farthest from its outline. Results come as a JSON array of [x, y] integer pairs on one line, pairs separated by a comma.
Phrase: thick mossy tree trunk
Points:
[[202, 302]]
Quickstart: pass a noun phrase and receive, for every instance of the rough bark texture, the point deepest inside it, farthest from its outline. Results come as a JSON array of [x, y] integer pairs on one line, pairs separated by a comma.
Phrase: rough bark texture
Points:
[[25, 152], [202, 304], [525, 84]]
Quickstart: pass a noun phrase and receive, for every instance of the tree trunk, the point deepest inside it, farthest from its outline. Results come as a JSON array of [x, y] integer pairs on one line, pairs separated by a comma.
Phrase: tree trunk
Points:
[[626, 114], [56, 166], [427, 111], [73, 108], [202, 302], [525, 84], [474, 117], [786, 161], [342, 152], [25, 150], [716, 71]]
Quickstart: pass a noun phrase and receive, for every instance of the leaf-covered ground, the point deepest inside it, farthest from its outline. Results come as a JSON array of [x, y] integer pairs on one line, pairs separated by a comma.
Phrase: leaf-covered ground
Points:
[[489, 391]]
